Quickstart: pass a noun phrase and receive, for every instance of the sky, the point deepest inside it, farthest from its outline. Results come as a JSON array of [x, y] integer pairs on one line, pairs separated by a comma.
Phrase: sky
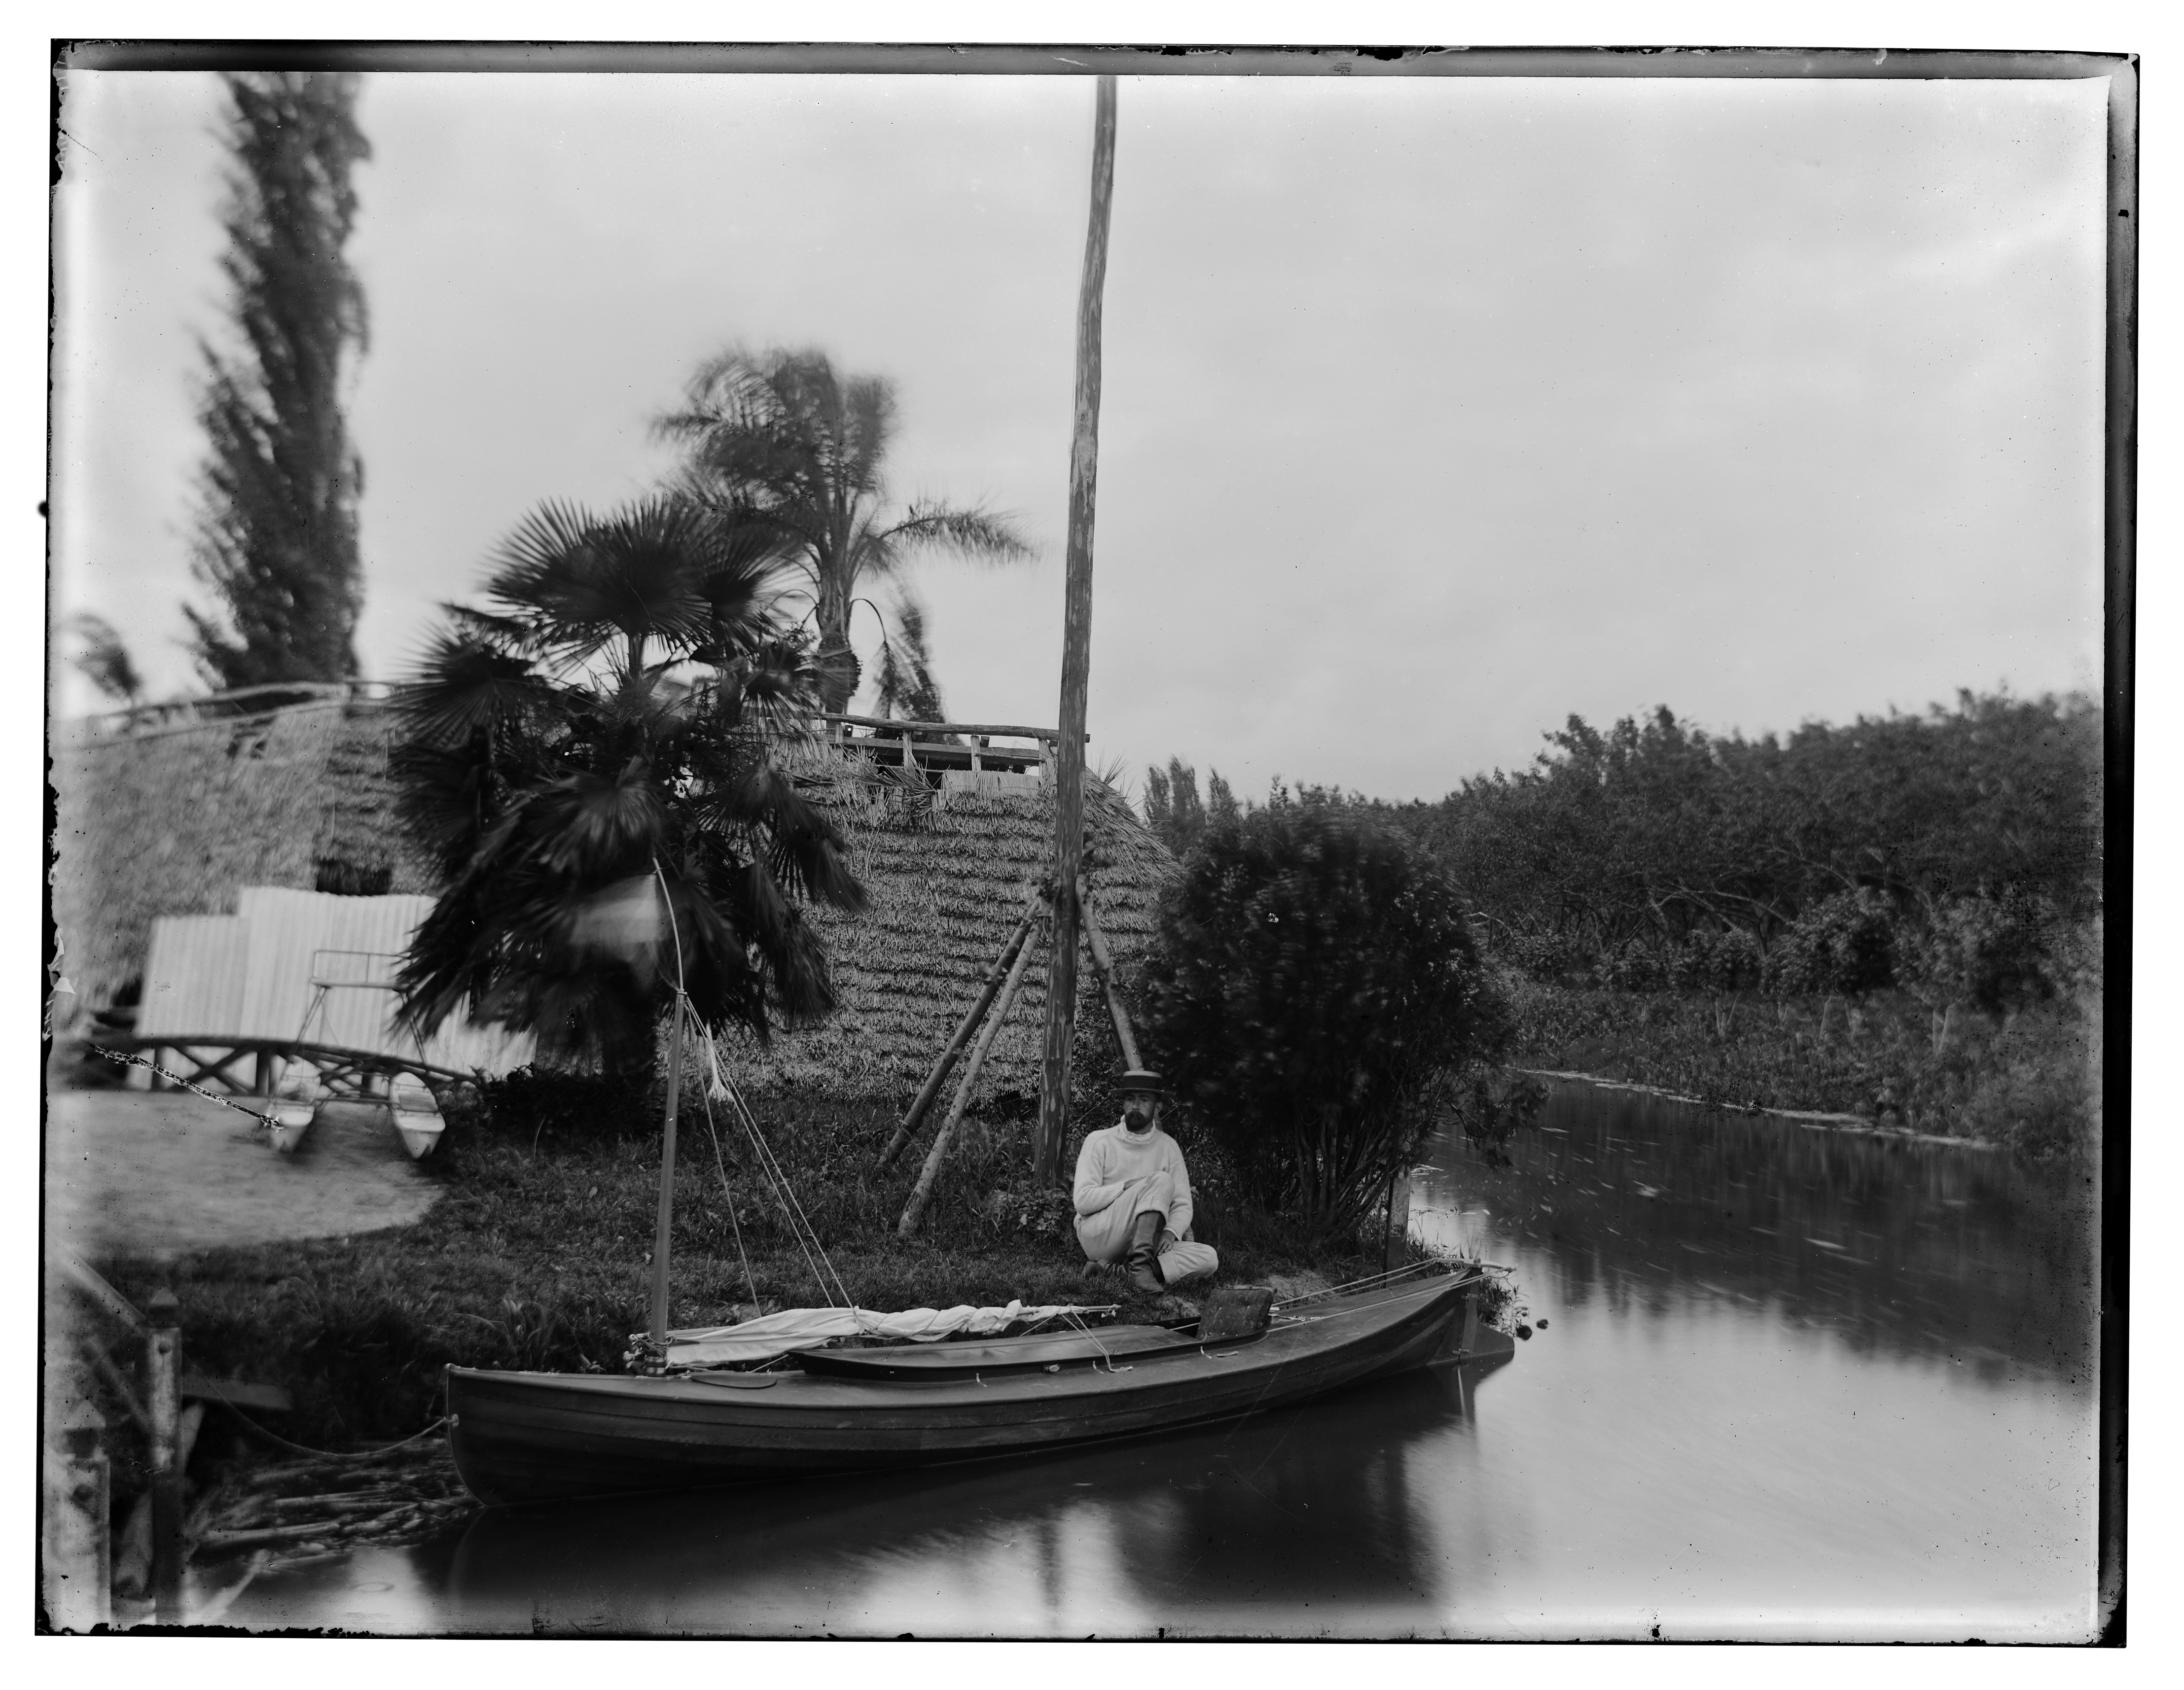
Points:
[[1434, 410]]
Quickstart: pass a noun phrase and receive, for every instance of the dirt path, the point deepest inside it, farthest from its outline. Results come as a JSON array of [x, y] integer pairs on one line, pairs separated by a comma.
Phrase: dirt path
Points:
[[144, 1171]]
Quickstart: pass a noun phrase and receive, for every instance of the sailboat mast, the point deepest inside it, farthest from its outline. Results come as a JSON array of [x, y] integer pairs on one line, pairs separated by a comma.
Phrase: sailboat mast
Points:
[[664, 1226], [1076, 659]]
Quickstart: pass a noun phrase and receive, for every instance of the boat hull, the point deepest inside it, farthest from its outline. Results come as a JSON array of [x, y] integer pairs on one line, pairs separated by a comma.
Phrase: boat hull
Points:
[[534, 1438]]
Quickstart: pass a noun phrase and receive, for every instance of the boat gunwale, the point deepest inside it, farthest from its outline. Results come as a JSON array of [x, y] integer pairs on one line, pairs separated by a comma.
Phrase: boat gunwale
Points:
[[518, 1442], [810, 1391]]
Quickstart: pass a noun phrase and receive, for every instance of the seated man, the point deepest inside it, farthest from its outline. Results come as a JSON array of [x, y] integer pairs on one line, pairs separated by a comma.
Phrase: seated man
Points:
[[1134, 1194]]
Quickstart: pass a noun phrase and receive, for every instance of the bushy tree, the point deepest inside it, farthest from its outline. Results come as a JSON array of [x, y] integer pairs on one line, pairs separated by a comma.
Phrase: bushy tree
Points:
[[277, 538], [1312, 990], [589, 762], [783, 436], [1173, 809]]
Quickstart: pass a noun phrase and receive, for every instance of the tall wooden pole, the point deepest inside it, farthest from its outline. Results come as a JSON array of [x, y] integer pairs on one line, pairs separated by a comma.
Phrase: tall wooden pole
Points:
[[664, 1227], [1075, 659]]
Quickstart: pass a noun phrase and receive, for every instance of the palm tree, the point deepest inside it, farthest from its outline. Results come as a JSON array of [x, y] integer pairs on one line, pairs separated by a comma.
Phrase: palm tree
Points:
[[589, 763], [780, 434]]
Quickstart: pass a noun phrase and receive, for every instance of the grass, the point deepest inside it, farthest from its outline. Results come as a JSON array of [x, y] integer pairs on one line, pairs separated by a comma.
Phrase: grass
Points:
[[2029, 1079], [536, 1255]]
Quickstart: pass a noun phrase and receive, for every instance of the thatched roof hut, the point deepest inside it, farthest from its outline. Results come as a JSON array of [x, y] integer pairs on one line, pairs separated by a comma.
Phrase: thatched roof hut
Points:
[[174, 813], [949, 871], [173, 817]]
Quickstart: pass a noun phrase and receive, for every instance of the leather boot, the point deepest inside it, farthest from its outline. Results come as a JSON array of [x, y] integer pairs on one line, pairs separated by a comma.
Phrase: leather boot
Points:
[[1142, 1259]]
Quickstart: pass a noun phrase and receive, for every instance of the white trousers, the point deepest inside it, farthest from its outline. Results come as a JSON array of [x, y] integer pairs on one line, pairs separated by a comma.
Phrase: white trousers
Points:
[[1106, 1236]]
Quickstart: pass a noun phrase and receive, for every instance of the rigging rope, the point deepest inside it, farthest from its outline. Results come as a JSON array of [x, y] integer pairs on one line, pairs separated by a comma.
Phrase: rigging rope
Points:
[[331, 1455], [800, 1227], [719, 1164], [682, 1006], [1081, 1326], [1369, 1282]]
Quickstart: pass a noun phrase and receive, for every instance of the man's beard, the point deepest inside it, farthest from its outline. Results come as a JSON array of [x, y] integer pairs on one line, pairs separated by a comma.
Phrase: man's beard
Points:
[[1132, 1122]]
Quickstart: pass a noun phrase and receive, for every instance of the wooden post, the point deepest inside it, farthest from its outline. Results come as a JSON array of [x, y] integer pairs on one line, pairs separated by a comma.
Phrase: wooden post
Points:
[[1103, 965], [920, 1194], [1076, 659], [1399, 1221], [75, 1538], [663, 1229], [163, 1345], [931, 1089]]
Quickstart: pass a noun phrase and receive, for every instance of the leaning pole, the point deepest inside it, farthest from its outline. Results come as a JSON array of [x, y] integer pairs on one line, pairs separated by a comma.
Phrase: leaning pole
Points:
[[1075, 659]]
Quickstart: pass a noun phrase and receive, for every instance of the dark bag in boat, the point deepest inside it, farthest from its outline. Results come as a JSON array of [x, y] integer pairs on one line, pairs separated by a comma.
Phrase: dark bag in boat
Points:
[[1235, 1311]]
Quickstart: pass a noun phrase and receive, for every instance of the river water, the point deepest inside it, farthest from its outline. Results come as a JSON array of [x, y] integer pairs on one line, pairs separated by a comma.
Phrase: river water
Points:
[[1784, 1383]]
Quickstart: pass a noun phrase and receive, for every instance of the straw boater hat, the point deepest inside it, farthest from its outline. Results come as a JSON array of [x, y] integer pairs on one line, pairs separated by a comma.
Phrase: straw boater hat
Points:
[[1141, 1080]]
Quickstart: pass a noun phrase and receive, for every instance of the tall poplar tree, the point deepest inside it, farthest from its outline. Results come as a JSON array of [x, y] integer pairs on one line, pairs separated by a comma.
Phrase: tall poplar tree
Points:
[[277, 538]]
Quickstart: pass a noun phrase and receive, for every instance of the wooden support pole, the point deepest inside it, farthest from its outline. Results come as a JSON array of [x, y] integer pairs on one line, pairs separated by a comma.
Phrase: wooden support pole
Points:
[[933, 1081], [663, 1229], [1103, 965], [1398, 1223], [1076, 658], [920, 1194], [163, 1344]]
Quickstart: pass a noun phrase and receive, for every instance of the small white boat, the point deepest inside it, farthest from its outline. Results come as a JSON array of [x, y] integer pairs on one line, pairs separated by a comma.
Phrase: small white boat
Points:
[[416, 1115], [295, 1106]]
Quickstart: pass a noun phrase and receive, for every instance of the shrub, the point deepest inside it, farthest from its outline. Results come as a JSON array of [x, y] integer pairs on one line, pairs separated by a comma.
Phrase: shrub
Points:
[[1716, 960], [1993, 954], [1311, 986], [1846, 944], [533, 1103]]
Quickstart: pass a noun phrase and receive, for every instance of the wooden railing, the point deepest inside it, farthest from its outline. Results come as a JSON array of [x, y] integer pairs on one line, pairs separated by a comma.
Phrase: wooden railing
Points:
[[897, 742]]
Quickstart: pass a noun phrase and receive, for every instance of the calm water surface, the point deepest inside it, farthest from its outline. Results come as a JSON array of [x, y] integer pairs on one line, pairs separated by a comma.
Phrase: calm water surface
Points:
[[1785, 1383]]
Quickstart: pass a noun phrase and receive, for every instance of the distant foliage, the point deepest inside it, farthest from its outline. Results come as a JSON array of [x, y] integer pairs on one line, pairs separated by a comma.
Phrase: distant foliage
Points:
[[277, 538], [1311, 989], [907, 689], [783, 438], [104, 659], [1173, 809], [1839, 859]]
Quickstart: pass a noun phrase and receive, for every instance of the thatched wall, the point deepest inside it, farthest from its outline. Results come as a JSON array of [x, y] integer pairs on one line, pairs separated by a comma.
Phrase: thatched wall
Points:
[[175, 821], [949, 873]]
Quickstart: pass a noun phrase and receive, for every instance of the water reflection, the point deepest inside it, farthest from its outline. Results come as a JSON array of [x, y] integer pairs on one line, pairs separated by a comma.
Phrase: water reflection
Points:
[[1787, 1383], [1902, 1247], [1307, 1519]]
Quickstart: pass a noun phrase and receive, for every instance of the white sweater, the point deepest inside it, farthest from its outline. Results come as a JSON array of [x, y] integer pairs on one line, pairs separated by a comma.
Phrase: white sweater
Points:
[[1111, 1161]]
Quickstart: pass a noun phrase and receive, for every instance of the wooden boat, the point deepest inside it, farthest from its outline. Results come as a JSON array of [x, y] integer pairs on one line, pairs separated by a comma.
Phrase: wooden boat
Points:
[[532, 1438]]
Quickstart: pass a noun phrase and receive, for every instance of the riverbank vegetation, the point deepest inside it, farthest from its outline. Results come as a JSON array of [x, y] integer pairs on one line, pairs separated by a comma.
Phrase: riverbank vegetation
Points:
[[536, 1255], [1898, 918], [1312, 992]]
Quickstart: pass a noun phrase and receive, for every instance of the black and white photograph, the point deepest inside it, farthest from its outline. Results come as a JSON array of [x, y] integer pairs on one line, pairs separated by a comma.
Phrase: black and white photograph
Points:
[[986, 843]]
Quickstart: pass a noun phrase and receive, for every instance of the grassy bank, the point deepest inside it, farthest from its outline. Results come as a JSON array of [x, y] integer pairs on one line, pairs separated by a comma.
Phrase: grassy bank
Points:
[[536, 1255], [2029, 1079]]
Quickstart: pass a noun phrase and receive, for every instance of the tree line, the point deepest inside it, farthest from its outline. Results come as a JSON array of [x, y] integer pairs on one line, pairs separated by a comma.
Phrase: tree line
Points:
[[1963, 840]]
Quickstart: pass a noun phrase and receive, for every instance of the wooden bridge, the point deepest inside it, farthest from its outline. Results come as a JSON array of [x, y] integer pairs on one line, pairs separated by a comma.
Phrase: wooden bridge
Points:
[[252, 1067]]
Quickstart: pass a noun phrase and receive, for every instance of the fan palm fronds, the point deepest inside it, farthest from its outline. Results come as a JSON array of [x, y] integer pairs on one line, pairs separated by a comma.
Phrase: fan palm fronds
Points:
[[590, 764]]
